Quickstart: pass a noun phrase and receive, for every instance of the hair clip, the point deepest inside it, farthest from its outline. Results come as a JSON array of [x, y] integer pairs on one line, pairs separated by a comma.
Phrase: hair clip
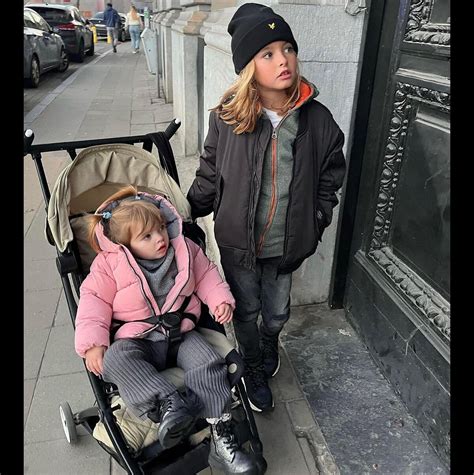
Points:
[[106, 215]]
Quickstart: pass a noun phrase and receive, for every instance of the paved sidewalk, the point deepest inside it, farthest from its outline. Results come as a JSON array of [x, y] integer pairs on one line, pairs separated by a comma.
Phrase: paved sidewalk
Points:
[[114, 95]]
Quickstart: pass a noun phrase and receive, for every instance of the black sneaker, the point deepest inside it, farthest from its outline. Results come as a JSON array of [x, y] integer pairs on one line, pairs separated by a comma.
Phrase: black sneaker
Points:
[[258, 391], [176, 416], [271, 358], [225, 454]]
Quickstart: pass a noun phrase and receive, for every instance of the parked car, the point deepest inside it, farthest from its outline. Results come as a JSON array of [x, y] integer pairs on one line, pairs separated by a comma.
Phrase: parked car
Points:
[[43, 49], [98, 21], [73, 28], [124, 33]]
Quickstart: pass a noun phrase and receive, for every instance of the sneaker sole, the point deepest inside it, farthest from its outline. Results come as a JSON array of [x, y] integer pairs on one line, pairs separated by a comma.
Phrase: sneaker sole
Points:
[[172, 435], [268, 376], [253, 406], [216, 464], [277, 368]]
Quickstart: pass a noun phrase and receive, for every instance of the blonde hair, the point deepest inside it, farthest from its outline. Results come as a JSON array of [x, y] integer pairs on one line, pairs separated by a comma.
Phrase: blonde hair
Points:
[[133, 13], [128, 218], [241, 103]]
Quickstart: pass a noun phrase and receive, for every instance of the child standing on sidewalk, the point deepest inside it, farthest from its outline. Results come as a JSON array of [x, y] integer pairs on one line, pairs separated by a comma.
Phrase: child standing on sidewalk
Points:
[[271, 166], [146, 267]]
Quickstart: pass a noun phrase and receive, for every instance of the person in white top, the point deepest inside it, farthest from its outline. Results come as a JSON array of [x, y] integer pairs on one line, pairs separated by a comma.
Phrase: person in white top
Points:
[[135, 25]]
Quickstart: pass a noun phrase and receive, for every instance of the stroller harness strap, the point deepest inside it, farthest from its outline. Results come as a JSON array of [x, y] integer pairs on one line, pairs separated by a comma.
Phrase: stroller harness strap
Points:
[[171, 323]]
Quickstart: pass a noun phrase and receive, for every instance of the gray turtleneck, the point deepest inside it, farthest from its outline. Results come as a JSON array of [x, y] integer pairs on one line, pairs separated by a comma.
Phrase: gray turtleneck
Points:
[[160, 274]]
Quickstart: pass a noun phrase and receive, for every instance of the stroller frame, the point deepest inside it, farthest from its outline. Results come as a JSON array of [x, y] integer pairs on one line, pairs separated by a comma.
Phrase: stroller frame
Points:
[[69, 267]]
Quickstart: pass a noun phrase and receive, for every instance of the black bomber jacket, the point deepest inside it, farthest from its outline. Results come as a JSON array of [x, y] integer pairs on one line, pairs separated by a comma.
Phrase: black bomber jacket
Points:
[[228, 183]]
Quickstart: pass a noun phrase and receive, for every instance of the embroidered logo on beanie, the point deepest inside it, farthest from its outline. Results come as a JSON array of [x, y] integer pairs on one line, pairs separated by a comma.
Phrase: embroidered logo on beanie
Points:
[[248, 28]]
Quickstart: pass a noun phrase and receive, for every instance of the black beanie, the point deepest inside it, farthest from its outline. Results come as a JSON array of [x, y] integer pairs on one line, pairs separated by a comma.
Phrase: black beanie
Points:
[[252, 27]]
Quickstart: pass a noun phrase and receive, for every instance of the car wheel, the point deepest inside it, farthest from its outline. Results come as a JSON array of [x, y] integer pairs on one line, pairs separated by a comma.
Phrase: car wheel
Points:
[[90, 52], [81, 53], [34, 79], [64, 63], [123, 36]]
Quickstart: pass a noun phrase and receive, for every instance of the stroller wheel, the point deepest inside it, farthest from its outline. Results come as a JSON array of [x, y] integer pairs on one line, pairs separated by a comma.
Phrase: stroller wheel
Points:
[[67, 420]]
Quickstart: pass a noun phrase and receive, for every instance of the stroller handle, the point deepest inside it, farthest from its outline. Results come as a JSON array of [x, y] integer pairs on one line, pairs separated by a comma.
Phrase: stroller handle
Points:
[[172, 128], [28, 138]]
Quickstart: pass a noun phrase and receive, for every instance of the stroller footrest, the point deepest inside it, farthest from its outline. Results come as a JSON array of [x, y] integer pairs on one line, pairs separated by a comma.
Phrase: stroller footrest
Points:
[[189, 463]]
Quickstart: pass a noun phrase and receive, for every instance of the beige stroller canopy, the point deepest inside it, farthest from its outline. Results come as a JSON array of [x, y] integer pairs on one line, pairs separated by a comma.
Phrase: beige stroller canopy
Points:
[[95, 174]]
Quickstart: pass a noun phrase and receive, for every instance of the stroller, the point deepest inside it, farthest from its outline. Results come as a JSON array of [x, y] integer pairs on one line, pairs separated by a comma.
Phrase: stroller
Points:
[[101, 167]]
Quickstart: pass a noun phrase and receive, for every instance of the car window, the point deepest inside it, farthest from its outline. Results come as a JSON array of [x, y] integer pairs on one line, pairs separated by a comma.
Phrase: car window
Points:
[[77, 15], [99, 16], [54, 16], [39, 22], [28, 20]]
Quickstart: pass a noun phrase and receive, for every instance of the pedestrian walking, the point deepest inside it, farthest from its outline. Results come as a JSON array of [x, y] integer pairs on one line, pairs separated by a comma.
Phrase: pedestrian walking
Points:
[[146, 266], [270, 169], [135, 25], [112, 22]]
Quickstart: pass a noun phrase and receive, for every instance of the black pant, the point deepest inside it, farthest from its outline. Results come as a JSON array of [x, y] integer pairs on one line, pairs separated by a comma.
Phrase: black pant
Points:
[[254, 292]]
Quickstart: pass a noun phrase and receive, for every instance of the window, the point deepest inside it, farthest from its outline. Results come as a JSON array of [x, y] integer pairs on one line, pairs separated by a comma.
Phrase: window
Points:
[[39, 22], [54, 16], [28, 20], [77, 15]]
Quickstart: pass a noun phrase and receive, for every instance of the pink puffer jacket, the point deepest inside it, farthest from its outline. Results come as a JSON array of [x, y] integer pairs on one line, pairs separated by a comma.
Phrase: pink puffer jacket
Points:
[[117, 287]]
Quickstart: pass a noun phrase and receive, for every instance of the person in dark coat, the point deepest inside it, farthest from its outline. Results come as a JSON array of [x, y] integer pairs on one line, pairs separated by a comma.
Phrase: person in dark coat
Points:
[[112, 22], [271, 166]]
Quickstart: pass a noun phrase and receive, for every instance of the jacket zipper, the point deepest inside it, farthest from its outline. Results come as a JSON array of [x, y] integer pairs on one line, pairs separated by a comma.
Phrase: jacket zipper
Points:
[[273, 205], [150, 305], [271, 211]]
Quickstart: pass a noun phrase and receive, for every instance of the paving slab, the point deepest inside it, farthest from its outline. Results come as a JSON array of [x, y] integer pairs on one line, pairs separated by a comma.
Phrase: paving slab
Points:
[[35, 248], [42, 307], [34, 344], [28, 390], [85, 457], [60, 356], [364, 423], [62, 316], [44, 423], [280, 447], [41, 274]]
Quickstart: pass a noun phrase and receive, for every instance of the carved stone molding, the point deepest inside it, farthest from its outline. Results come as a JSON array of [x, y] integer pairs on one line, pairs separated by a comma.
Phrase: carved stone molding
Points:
[[420, 30], [430, 303], [406, 95]]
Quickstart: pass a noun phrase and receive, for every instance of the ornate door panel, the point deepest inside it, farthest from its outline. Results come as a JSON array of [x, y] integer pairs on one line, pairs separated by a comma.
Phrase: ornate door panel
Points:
[[398, 285]]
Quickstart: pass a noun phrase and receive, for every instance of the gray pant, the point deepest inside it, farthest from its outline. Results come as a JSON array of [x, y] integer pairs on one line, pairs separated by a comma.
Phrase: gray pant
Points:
[[113, 33], [134, 366], [255, 292]]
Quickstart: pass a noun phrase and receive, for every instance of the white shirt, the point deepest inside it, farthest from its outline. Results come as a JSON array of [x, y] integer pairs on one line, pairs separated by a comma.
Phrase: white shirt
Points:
[[131, 22], [273, 116]]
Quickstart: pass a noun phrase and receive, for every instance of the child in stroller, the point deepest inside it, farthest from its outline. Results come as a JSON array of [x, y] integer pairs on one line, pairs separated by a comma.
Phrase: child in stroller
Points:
[[146, 266]]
